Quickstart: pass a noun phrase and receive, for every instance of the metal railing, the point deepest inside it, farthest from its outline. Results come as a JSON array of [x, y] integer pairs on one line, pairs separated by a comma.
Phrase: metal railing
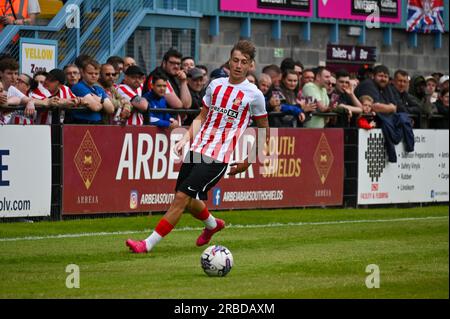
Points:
[[105, 27], [351, 152]]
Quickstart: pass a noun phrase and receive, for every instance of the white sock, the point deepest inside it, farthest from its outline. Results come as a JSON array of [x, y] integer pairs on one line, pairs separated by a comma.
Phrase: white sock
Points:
[[153, 240], [211, 222]]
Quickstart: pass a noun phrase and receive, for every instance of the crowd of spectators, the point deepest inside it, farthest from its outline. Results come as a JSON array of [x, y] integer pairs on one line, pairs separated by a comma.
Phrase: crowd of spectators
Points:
[[119, 92]]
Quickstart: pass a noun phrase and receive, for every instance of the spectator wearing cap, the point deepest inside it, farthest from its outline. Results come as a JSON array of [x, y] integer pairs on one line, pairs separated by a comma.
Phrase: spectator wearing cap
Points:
[[196, 88], [122, 106], [432, 87], [57, 94], [156, 100], [205, 74], [131, 90], [96, 99], [444, 82]]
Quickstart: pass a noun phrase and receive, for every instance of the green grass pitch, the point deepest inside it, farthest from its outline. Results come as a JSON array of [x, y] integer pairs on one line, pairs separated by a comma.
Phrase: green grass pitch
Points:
[[292, 254]]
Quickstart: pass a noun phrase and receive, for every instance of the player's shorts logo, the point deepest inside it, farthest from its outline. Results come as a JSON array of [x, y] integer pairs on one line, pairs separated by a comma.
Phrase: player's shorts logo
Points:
[[134, 199]]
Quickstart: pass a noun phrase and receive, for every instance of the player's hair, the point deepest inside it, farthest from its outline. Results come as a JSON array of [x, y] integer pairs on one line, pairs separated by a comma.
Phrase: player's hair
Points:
[[245, 47], [401, 73], [366, 98], [9, 64], [443, 92]]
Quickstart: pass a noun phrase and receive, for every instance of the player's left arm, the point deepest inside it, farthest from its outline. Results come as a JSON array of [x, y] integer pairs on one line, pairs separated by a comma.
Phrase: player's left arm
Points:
[[261, 119]]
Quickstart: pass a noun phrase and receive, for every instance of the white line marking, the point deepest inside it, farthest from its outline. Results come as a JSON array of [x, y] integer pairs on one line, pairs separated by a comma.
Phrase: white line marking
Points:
[[230, 226]]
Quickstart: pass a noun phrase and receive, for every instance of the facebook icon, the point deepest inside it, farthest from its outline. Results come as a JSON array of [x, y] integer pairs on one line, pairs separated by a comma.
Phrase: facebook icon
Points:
[[3, 168], [217, 196]]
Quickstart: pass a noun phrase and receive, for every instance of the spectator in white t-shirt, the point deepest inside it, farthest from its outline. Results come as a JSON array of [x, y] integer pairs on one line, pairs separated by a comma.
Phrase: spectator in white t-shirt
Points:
[[9, 74]]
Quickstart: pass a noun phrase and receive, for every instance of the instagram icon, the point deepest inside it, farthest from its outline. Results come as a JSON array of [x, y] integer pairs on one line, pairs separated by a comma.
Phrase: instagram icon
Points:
[[134, 199]]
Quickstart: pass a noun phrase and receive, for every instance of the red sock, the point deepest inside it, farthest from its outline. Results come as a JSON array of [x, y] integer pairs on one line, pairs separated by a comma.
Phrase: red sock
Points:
[[204, 215], [164, 228]]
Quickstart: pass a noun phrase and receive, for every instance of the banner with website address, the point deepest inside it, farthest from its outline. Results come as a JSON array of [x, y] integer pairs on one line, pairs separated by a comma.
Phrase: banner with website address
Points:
[[418, 177], [25, 171], [131, 169]]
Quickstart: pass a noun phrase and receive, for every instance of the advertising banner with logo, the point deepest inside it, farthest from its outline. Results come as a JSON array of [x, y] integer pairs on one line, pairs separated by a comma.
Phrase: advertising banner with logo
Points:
[[299, 8], [120, 170], [418, 177], [25, 171], [384, 11]]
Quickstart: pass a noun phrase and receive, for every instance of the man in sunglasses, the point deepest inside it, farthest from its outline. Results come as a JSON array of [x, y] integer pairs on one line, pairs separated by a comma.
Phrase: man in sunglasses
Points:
[[122, 107]]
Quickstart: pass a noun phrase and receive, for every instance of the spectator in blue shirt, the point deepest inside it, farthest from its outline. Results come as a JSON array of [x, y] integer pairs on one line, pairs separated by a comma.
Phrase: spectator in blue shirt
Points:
[[156, 100], [95, 97]]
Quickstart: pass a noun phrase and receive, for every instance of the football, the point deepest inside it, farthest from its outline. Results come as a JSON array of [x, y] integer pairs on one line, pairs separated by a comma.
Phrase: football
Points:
[[217, 261]]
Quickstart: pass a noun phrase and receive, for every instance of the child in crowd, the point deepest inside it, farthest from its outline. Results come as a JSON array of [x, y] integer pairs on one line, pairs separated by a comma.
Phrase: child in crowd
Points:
[[367, 119], [156, 100]]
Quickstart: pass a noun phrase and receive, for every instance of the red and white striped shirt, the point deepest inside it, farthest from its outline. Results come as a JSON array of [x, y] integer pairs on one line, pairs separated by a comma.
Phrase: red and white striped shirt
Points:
[[230, 109], [41, 93], [136, 118]]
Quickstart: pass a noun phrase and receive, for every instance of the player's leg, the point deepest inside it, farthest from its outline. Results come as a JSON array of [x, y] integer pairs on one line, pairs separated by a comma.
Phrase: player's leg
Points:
[[199, 210], [164, 227]]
